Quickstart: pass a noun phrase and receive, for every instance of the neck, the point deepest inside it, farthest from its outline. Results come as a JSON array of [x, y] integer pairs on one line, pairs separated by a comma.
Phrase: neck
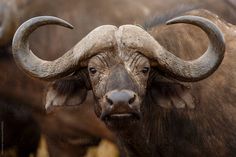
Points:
[[139, 139], [142, 139], [134, 141]]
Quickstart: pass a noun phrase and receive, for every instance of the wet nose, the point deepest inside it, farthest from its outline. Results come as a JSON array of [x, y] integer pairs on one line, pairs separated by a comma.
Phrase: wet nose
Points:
[[121, 97]]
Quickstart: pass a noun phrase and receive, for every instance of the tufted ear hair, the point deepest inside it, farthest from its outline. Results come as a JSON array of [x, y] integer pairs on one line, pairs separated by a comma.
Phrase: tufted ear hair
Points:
[[65, 92], [169, 93]]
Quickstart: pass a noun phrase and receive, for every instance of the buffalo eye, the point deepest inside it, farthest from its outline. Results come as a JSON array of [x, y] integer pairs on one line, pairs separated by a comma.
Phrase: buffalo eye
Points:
[[145, 70], [92, 70]]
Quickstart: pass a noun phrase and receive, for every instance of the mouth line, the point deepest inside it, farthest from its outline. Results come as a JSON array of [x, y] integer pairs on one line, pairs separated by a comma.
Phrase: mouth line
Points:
[[121, 116]]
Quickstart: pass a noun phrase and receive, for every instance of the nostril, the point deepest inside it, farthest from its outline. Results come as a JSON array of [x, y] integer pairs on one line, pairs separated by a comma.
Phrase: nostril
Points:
[[132, 99], [109, 101]]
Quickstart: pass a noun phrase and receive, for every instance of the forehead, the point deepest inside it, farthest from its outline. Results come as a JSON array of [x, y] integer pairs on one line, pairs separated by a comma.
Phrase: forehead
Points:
[[123, 41], [127, 41], [117, 55]]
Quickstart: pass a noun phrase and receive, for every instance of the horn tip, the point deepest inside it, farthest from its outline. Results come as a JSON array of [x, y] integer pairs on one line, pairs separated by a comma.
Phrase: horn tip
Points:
[[172, 21], [70, 26]]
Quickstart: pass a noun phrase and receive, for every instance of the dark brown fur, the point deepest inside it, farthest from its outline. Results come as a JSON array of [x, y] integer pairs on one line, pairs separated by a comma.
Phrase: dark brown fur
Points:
[[208, 129]]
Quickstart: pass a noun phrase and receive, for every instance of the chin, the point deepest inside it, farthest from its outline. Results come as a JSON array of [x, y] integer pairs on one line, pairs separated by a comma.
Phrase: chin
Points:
[[122, 122]]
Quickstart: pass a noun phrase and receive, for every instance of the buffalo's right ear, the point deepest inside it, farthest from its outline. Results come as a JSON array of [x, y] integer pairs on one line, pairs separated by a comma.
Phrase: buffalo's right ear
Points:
[[65, 92], [170, 93]]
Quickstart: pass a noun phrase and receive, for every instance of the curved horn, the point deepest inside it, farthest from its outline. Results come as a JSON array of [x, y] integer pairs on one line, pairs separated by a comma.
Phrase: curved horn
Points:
[[9, 22], [206, 64], [189, 71], [100, 38]]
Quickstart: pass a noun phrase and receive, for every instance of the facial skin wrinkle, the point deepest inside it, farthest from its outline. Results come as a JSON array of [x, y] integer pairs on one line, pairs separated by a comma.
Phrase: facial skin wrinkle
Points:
[[102, 59], [130, 71], [139, 60], [98, 88], [131, 64], [127, 61], [136, 80], [136, 61]]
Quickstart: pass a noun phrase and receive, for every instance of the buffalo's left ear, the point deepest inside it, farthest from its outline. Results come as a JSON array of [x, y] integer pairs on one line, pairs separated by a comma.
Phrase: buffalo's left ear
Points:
[[66, 92]]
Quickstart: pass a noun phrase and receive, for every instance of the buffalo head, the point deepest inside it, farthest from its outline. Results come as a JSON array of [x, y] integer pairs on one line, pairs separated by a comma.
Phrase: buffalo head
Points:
[[117, 64]]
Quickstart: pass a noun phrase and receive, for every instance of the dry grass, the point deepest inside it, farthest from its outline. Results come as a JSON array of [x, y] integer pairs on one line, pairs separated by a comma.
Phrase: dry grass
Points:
[[104, 149], [43, 149]]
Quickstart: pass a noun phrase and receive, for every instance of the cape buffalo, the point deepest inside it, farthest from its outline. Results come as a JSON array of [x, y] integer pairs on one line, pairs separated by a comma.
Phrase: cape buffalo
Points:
[[156, 103]]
